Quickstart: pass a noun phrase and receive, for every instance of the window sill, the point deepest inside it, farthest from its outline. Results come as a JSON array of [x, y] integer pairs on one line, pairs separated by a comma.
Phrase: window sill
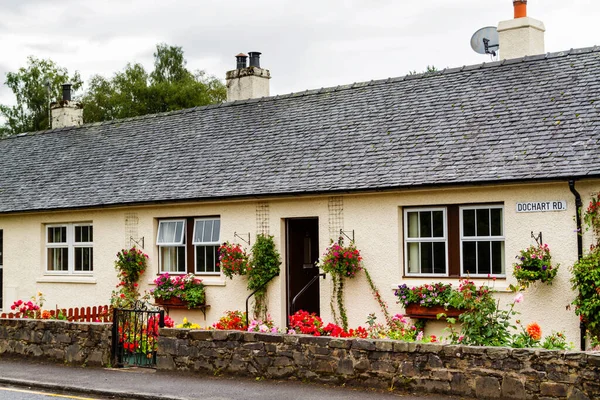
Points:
[[212, 281], [67, 279]]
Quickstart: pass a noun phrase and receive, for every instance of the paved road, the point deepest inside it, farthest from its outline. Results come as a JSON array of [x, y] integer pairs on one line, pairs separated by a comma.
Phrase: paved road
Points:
[[17, 393], [149, 384]]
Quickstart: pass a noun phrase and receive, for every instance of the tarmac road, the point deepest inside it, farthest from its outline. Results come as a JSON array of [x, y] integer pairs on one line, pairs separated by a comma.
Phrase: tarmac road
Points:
[[16, 393], [148, 384]]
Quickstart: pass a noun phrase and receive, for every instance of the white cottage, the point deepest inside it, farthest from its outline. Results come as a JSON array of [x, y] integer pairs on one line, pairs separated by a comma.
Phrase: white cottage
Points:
[[439, 176]]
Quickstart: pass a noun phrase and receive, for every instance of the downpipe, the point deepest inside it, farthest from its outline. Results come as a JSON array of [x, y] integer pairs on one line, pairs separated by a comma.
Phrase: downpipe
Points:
[[578, 206]]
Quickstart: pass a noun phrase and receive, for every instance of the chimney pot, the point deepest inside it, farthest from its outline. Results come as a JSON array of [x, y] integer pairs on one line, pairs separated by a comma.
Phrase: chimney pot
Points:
[[241, 61], [254, 59], [520, 7], [66, 91]]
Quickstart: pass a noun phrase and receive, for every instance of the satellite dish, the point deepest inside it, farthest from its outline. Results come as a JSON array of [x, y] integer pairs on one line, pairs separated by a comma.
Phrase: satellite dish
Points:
[[485, 40]]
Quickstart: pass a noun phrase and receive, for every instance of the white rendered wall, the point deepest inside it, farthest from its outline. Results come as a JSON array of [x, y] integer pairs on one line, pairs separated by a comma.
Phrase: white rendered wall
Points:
[[375, 218]]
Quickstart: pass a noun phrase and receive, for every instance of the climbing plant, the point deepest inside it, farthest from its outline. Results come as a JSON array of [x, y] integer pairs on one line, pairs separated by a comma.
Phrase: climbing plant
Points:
[[263, 266], [340, 262], [586, 276], [130, 265]]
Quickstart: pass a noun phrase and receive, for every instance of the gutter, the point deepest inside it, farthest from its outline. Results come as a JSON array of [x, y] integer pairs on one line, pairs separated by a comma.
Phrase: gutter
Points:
[[578, 205]]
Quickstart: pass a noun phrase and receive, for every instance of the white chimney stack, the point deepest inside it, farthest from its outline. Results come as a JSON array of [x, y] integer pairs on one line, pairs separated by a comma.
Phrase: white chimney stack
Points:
[[521, 36], [65, 112], [247, 82]]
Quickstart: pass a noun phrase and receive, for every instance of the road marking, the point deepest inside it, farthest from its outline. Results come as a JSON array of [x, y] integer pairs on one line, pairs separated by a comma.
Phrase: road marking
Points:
[[48, 394]]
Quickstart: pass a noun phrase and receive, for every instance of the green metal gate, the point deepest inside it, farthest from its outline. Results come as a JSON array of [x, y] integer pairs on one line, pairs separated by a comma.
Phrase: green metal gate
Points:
[[135, 335]]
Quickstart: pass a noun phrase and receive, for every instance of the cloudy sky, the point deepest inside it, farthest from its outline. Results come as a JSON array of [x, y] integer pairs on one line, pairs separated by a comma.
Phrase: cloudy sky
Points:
[[306, 44]]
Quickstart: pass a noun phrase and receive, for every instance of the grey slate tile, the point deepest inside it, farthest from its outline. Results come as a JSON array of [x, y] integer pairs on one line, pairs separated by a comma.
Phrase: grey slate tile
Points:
[[502, 121]]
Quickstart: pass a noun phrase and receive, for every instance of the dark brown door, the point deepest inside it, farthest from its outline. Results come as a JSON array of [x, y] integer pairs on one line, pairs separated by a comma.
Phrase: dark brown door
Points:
[[302, 255]]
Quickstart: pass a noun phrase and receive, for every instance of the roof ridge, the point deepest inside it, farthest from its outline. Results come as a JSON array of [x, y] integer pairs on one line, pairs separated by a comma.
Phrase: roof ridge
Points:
[[337, 88]]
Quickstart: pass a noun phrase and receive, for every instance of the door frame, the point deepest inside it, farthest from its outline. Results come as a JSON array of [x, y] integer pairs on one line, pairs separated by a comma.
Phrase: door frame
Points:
[[288, 299]]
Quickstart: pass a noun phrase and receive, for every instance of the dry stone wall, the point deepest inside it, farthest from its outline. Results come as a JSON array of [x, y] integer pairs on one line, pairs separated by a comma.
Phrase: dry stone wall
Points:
[[481, 372], [75, 343]]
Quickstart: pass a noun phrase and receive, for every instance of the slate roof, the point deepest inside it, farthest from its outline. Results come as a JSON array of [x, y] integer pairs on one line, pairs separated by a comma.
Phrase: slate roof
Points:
[[515, 120]]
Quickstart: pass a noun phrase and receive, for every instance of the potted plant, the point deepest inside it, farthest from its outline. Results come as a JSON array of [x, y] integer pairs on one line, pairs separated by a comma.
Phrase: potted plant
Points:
[[182, 290], [233, 260], [534, 264], [427, 301]]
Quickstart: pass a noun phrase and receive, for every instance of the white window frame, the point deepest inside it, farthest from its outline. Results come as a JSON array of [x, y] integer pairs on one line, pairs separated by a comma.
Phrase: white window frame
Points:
[[490, 238], [70, 245], [408, 240], [172, 244], [83, 245], [197, 244]]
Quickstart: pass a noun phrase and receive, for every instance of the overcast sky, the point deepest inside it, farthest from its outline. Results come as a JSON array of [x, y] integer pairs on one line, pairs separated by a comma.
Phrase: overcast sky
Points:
[[305, 44]]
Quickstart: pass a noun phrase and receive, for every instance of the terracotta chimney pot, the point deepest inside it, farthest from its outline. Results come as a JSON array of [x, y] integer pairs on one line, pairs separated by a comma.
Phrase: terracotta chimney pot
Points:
[[520, 8]]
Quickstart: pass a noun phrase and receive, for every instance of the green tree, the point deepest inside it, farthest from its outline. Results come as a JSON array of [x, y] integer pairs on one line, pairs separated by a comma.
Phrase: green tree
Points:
[[430, 69], [34, 87], [134, 91]]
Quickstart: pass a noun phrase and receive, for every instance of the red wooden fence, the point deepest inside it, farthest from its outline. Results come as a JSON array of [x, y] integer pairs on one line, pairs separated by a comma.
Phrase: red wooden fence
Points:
[[81, 314]]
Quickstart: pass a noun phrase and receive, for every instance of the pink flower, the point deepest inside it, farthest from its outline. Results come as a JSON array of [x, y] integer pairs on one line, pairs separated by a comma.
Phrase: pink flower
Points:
[[518, 298]]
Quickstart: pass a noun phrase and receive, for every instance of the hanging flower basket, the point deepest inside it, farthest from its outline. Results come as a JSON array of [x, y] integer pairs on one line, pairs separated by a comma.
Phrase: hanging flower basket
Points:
[[534, 264]]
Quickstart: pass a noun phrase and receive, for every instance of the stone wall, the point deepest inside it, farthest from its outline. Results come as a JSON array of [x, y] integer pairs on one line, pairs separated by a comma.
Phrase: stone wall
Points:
[[482, 372], [77, 343]]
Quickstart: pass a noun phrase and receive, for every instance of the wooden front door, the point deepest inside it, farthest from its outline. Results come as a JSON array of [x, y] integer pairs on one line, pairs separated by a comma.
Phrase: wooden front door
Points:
[[302, 255]]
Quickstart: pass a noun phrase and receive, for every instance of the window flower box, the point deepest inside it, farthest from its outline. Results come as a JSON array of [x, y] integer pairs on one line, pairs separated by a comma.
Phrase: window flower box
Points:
[[179, 291], [415, 310], [427, 301], [173, 302]]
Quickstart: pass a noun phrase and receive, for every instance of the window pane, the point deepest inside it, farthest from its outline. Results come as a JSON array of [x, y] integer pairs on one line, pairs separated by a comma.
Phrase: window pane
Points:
[[170, 232], [199, 231], [1, 239], [468, 222], [483, 222], [83, 234], [496, 217], [484, 256], [57, 234], [208, 225], [206, 231], [413, 224], [427, 258], [83, 259], [210, 257], [498, 258], [172, 259], [438, 224], [425, 224], [413, 258], [469, 258], [216, 232], [58, 259], [200, 259], [439, 257]]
